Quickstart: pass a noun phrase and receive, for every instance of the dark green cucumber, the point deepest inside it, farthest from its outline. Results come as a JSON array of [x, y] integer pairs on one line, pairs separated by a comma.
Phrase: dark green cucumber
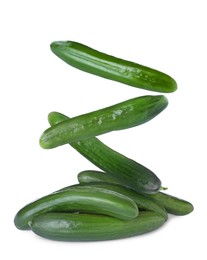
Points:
[[172, 204], [143, 202], [103, 180], [90, 176], [92, 61], [83, 227], [123, 115], [127, 171], [79, 198]]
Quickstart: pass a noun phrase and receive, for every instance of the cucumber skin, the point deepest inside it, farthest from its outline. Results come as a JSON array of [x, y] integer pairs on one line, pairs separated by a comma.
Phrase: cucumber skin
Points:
[[83, 227], [127, 114], [92, 61], [83, 199], [103, 180], [127, 171], [171, 204]]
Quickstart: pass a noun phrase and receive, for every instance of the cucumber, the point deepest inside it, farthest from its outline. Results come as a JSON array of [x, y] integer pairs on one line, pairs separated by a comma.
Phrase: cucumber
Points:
[[172, 204], [123, 115], [102, 180], [143, 202], [127, 171], [83, 199], [90, 176], [169, 203], [83, 227], [92, 61]]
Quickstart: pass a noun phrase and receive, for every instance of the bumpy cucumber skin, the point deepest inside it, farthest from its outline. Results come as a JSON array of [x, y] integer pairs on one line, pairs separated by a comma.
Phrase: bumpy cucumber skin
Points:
[[83, 199], [82, 227], [120, 116], [127, 171], [103, 180], [172, 204], [92, 61]]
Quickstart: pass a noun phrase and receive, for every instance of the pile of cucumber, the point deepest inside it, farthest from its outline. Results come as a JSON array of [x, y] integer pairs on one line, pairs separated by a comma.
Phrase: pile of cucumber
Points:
[[123, 198]]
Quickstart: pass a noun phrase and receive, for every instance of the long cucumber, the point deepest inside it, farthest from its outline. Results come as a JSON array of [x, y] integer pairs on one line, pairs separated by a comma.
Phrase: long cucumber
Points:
[[91, 176], [92, 61], [123, 115], [82, 199], [133, 174], [171, 204], [83, 227], [103, 180]]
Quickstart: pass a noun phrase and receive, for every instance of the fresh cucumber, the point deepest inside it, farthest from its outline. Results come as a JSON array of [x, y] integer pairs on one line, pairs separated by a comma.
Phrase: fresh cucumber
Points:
[[90, 176], [92, 61], [103, 180], [83, 227], [123, 115], [172, 204], [83, 199], [127, 171]]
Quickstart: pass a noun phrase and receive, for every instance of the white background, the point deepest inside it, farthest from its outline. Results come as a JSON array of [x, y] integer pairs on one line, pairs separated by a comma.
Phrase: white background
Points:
[[167, 35]]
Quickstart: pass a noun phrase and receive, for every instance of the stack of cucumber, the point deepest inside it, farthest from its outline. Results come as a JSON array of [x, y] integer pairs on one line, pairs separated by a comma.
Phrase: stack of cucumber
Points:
[[123, 198]]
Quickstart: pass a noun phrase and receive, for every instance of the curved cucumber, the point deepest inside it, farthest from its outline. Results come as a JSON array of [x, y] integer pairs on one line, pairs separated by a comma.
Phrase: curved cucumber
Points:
[[103, 180], [82, 199], [90, 176], [172, 204], [127, 171], [92, 61], [123, 115], [83, 227], [169, 203]]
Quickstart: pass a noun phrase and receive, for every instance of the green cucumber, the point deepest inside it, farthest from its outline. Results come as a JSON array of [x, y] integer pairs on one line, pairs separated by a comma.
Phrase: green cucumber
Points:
[[83, 227], [102, 180], [127, 171], [143, 202], [83, 199], [90, 176], [172, 204], [92, 61], [123, 115]]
